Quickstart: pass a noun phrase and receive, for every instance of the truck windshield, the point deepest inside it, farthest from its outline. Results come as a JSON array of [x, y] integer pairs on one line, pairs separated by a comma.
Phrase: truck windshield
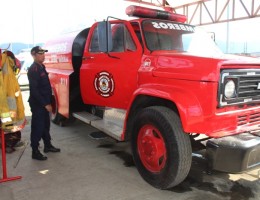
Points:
[[173, 36]]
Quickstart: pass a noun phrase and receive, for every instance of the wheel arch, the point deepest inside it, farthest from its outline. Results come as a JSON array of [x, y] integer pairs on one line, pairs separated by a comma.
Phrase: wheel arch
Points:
[[182, 102], [142, 101]]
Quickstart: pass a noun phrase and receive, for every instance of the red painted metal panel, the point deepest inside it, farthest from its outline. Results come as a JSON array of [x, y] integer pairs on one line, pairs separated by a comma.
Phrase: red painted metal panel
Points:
[[60, 80], [118, 71], [58, 62]]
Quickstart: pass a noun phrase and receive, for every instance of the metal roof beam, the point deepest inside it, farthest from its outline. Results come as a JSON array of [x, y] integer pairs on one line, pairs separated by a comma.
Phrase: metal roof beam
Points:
[[202, 12]]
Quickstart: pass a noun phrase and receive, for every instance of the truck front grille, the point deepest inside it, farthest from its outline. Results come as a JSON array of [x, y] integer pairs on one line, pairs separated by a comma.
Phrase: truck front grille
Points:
[[248, 119], [247, 86]]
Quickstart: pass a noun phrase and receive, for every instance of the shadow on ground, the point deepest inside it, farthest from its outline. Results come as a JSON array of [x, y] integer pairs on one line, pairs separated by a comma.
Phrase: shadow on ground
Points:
[[218, 184]]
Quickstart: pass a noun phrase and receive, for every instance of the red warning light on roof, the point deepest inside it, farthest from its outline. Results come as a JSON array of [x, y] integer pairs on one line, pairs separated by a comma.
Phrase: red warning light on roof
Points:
[[139, 11]]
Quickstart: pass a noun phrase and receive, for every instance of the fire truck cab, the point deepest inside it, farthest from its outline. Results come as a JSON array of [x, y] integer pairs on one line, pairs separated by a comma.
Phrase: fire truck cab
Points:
[[161, 84]]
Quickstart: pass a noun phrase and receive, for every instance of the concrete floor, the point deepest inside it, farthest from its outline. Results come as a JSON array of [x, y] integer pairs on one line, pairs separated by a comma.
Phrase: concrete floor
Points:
[[88, 169]]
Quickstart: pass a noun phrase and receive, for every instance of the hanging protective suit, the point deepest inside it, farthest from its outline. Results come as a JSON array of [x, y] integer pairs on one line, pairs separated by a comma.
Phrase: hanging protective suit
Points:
[[11, 106]]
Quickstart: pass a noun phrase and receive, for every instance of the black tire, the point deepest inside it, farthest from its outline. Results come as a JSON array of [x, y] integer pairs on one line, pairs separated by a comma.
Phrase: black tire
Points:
[[56, 117], [169, 165]]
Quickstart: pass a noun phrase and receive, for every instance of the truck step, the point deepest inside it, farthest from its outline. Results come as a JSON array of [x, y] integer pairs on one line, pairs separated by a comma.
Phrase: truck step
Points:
[[85, 117], [112, 128], [109, 128], [116, 116]]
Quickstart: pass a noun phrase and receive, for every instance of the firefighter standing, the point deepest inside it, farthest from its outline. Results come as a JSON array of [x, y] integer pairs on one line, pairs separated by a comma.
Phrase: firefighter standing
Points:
[[40, 103]]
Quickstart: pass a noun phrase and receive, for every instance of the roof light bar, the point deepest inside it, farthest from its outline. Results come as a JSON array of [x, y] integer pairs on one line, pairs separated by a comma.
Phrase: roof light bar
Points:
[[139, 11]]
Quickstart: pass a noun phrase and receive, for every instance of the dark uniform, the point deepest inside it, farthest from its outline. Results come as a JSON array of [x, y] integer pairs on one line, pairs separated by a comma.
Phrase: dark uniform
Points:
[[40, 103], [40, 96]]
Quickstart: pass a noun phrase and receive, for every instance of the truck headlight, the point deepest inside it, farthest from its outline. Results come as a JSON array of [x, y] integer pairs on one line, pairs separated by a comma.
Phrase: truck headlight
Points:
[[230, 89]]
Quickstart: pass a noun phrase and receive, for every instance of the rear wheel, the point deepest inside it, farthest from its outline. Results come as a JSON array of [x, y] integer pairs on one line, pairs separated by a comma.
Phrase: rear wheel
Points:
[[161, 150], [56, 117]]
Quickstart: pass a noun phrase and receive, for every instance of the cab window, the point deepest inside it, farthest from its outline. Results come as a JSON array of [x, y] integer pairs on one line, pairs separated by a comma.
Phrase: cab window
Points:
[[121, 39], [94, 45]]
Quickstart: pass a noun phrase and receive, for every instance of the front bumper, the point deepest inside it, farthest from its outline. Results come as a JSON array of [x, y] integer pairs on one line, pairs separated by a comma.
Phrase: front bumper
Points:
[[235, 153]]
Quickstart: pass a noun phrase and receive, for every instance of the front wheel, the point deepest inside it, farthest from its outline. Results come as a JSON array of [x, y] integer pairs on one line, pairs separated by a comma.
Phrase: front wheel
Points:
[[161, 150]]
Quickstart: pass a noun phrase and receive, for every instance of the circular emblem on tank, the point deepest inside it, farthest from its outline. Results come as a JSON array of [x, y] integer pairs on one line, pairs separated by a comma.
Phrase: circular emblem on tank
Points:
[[104, 84]]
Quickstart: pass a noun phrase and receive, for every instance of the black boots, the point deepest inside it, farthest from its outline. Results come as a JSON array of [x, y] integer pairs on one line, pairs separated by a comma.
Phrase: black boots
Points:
[[50, 148], [36, 154]]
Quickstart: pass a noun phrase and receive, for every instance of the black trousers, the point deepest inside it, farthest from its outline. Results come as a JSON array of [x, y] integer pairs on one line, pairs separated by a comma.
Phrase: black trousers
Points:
[[40, 126]]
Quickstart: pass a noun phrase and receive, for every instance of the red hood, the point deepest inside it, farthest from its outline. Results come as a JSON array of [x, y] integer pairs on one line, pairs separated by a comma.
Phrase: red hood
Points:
[[190, 67]]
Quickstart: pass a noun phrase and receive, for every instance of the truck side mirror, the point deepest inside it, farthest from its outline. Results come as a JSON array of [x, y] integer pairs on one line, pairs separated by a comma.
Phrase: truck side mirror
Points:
[[104, 36], [212, 36]]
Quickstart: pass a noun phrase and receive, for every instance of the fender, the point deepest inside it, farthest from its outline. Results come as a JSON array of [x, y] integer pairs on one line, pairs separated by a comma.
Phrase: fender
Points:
[[60, 85], [188, 106]]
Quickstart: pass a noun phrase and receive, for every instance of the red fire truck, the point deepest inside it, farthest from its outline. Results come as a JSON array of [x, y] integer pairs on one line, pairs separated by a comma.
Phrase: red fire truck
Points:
[[160, 84]]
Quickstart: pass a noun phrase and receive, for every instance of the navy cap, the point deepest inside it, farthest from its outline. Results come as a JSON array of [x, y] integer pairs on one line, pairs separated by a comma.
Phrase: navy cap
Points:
[[38, 49]]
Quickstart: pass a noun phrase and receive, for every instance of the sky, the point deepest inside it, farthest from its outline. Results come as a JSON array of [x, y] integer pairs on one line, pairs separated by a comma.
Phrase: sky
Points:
[[35, 21], [238, 36], [23, 19]]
